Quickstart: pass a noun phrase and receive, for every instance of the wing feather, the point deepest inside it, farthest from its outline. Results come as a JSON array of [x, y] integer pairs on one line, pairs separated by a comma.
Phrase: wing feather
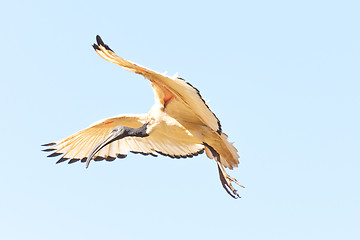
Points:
[[77, 146], [190, 104], [123, 147]]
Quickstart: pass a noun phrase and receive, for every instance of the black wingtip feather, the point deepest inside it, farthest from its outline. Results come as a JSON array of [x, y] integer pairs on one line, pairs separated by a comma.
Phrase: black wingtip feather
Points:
[[142, 153], [101, 43], [96, 47], [48, 150], [62, 160], [98, 158], [55, 154], [107, 47], [73, 160], [182, 156], [200, 152], [48, 144], [110, 159], [99, 40]]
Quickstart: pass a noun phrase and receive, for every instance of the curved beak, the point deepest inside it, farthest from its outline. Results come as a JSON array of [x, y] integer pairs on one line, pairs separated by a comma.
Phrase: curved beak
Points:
[[113, 136], [117, 133]]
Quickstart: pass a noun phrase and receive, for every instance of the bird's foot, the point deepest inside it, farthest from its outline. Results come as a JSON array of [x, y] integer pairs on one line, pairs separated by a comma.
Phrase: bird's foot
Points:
[[226, 181], [229, 180]]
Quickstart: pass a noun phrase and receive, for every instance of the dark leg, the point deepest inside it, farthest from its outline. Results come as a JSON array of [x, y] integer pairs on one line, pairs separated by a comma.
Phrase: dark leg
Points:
[[116, 134], [224, 177]]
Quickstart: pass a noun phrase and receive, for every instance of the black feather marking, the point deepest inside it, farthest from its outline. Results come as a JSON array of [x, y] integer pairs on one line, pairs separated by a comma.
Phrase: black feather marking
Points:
[[48, 150], [48, 144], [100, 42], [96, 47], [55, 154], [121, 156], [142, 153], [98, 158], [107, 48], [84, 159], [110, 159], [182, 156], [165, 154], [62, 160], [73, 160], [199, 152]]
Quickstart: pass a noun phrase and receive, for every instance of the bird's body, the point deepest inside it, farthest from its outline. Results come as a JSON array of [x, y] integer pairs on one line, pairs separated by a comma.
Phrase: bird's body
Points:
[[179, 124]]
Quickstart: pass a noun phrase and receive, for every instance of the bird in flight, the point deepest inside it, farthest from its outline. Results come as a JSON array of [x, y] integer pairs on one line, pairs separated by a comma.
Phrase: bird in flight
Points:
[[178, 125]]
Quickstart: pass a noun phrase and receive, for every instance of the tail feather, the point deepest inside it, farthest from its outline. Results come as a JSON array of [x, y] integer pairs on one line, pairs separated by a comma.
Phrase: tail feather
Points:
[[229, 157], [233, 158]]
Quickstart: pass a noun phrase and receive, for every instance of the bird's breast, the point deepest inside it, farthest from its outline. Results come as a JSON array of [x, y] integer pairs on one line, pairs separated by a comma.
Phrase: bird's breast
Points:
[[159, 122]]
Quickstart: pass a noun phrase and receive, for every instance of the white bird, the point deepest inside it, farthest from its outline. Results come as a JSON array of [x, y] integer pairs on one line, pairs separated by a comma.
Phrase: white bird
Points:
[[178, 125]]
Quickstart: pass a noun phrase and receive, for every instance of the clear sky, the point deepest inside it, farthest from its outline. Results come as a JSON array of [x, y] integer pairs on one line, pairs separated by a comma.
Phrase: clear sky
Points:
[[282, 76]]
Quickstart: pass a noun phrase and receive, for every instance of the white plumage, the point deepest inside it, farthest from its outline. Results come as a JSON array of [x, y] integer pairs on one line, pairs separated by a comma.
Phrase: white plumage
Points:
[[179, 124]]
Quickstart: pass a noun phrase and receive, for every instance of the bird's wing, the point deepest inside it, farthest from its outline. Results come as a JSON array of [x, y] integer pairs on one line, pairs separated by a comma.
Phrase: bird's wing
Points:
[[77, 146], [187, 105]]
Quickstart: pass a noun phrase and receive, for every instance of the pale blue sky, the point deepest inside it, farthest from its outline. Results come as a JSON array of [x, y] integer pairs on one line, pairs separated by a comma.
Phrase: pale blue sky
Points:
[[282, 76]]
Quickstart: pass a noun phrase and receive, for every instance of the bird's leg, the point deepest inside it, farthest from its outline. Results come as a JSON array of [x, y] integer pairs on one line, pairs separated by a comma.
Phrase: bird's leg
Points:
[[224, 176], [226, 181], [116, 134]]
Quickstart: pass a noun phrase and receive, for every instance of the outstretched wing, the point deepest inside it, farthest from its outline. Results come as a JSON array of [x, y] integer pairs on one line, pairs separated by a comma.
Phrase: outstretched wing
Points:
[[187, 104], [77, 146]]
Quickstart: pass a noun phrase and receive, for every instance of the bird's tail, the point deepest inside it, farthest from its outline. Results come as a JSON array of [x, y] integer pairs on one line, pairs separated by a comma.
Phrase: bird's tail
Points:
[[229, 157]]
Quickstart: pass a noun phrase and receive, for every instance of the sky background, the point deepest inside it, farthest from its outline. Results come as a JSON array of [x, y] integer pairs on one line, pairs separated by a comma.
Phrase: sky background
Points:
[[282, 76]]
